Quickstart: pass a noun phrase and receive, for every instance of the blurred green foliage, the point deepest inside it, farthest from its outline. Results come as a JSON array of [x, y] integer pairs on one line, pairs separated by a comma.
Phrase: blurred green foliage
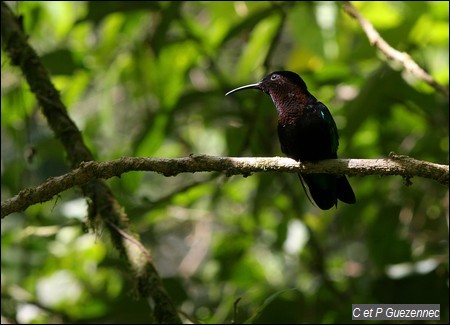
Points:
[[148, 79]]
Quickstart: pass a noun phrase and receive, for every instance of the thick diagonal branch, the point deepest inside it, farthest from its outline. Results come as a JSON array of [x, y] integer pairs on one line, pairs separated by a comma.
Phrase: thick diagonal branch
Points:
[[395, 165], [102, 201]]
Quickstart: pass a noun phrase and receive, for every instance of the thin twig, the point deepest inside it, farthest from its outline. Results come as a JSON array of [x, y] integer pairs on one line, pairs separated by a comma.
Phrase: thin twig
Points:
[[133, 240], [402, 57], [235, 307]]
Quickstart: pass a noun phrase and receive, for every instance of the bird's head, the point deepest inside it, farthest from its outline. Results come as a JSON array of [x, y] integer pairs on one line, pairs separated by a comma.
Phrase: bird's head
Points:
[[276, 82]]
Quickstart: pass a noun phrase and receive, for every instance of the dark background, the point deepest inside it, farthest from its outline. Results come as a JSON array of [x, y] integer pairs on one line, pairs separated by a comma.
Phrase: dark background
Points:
[[148, 79]]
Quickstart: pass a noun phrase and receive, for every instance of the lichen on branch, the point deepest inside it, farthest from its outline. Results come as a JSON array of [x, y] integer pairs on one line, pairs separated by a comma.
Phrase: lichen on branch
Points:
[[394, 165]]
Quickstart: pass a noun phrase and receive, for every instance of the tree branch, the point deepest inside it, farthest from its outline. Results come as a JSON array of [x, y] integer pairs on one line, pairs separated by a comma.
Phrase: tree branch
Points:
[[102, 202], [88, 171], [403, 58]]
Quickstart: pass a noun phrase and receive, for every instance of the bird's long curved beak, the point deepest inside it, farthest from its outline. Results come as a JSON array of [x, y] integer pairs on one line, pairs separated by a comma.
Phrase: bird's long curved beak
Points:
[[252, 86]]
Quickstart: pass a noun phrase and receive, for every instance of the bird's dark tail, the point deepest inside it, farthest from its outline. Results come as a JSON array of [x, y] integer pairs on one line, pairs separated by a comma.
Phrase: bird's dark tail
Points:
[[326, 189], [344, 190]]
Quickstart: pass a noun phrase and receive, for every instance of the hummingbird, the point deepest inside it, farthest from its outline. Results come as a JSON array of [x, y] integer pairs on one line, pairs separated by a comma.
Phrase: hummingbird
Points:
[[307, 132]]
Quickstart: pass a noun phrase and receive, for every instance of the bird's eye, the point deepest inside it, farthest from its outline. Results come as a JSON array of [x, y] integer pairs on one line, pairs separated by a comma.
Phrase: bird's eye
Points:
[[274, 77]]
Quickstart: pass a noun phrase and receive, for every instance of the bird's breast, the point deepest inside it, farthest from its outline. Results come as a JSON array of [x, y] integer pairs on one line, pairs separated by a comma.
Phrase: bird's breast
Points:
[[305, 136]]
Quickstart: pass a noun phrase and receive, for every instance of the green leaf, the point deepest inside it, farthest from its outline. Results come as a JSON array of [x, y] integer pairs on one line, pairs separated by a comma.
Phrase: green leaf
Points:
[[61, 62], [97, 10]]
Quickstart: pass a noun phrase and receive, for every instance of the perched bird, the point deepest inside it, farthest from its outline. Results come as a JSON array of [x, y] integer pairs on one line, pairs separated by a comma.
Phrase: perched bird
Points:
[[307, 132]]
